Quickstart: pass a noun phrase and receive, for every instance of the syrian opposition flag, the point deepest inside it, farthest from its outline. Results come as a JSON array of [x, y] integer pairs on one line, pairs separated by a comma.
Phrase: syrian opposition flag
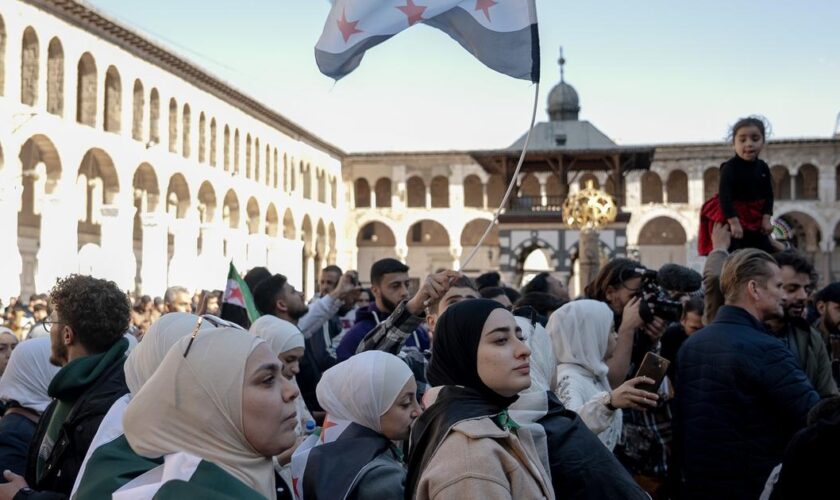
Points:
[[237, 303], [502, 34]]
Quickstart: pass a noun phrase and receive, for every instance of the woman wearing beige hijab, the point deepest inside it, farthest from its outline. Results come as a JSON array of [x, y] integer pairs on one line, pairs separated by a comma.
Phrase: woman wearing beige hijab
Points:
[[216, 410]]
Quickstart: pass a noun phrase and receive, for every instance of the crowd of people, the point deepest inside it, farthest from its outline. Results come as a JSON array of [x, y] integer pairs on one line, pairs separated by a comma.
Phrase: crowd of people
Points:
[[455, 388], [460, 388]]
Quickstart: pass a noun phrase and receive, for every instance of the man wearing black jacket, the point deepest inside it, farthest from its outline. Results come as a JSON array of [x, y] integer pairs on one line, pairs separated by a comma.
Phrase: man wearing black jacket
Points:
[[86, 329]]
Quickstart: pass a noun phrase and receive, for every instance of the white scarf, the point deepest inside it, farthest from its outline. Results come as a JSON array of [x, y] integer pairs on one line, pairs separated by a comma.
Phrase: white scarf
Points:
[[28, 375]]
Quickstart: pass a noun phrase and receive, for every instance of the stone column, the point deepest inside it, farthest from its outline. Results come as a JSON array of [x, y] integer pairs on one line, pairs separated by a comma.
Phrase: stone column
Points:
[[309, 270], [57, 256], [402, 253], [429, 195], [237, 248], [588, 256], [182, 268], [117, 239], [154, 262], [456, 252], [257, 250], [212, 261], [12, 267]]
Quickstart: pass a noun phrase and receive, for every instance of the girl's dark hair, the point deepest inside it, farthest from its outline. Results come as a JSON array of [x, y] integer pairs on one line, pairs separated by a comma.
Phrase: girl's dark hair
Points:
[[757, 121], [614, 273]]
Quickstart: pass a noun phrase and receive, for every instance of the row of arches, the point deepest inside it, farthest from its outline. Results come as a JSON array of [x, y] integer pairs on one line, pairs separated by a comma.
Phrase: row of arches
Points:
[[802, 186], [426, 232], [476, 193], [263, 162], [94, 208]]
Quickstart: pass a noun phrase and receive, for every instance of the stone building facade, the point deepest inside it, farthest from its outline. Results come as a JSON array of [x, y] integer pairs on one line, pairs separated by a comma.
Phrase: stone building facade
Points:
[[120, 159]]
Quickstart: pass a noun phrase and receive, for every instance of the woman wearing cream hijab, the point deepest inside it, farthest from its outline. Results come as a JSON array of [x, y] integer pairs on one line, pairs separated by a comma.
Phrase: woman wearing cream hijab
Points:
[[370, 401], [217, 402], [139, 367], [584, 338]]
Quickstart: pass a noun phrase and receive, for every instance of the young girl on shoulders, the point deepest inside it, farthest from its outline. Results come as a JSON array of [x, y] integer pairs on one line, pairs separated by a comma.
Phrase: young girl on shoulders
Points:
[[745, 195]]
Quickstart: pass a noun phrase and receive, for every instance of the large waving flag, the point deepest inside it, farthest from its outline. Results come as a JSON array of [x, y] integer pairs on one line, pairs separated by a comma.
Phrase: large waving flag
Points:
[[237, 302], [502, 34]]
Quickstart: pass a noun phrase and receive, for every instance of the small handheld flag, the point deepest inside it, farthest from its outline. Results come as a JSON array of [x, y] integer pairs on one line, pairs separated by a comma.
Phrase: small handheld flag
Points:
[[237, 303]]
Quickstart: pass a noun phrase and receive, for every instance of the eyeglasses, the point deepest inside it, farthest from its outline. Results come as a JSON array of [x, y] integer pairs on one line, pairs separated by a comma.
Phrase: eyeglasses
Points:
[[213, 320], [48, 323]]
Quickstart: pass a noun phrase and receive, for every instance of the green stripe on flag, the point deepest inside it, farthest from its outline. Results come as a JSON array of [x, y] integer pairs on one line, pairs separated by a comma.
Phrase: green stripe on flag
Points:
[[253, 313]]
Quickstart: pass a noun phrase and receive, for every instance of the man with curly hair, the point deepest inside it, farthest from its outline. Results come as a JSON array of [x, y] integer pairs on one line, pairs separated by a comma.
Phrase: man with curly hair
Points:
[[86, 327]]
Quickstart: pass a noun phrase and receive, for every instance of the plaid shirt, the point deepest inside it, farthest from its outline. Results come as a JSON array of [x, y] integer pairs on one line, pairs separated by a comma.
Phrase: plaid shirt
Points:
[[390, 336]]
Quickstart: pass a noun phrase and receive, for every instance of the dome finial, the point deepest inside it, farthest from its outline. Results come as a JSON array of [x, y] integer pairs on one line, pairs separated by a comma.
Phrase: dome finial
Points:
[[562, 62]]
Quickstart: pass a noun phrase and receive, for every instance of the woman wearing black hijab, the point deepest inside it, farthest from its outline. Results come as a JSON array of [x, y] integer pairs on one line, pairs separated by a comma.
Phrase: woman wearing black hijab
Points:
[[466, 445]]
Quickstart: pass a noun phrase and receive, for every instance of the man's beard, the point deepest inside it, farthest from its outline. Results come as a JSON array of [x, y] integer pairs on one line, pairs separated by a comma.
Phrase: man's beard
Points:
[[794, 311], [58, 355], [296, 315], [389, 306]]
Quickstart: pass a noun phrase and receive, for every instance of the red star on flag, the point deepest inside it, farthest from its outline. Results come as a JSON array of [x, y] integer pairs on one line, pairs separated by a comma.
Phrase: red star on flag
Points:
[[413, 12], [485, 5], [235, 295], [294, 485], [347, 28]]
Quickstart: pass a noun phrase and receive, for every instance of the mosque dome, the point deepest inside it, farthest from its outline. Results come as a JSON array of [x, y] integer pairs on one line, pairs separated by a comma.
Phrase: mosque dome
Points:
[[563, 100]]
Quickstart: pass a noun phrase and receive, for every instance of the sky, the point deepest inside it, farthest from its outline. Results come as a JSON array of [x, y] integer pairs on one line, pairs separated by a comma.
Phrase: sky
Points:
[[647, 72]]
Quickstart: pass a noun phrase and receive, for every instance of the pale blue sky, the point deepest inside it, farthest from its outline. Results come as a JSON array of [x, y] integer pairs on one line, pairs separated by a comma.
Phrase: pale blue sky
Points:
[[647, 72]]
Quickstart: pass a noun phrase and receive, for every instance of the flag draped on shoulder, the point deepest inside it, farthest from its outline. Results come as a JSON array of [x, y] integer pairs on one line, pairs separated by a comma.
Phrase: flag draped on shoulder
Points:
[[238, 303], [502, 34]]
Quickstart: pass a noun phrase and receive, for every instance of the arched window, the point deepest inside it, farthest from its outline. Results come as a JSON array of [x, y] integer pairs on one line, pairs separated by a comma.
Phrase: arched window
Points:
[[807, 183], [334, 193], [473, 192], [276, 172], [212, 142], [2, 56], [416, 193], [226, 147], [322, 187], [267, 177], [781, 182], [248, 156], [307, 180], [173, 125], [651, 188], [362, 191], [236, 151], [711, 182], [137, 111], [113, 100], [383, 193], [586, 178], [678, 187], [202, 138], [55, 78], [257, 160], [154, 117], [440, 192], [29, 67], [86, 91], [185, 132]]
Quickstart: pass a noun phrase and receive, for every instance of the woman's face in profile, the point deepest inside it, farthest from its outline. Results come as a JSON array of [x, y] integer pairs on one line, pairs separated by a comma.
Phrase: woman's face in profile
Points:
[[268, 410], [503, 356]]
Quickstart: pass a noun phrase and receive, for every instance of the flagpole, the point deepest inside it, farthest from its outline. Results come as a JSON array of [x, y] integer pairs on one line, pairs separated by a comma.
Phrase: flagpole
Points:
[[495, 221]]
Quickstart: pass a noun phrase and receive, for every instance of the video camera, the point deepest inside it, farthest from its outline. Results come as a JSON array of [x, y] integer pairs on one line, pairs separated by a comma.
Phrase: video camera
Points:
[[656, 301]]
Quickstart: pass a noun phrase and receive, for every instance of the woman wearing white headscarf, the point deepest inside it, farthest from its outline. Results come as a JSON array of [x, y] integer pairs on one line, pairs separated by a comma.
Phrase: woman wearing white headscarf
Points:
[[216, 410], [23, 387], [584, 338], [579, 467], [287, 343], [370, 401], [142, 362]]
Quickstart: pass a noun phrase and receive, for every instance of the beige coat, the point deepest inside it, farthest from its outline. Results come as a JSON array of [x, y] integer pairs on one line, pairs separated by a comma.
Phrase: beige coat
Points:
[[477, 460]]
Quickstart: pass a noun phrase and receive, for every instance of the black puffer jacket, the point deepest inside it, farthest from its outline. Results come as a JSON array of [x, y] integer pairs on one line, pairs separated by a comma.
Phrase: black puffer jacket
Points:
[[74, 438], [740, 397]]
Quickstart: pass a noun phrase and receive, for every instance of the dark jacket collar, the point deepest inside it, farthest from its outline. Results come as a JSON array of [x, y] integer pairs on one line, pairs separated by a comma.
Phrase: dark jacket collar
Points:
[[739, 316]]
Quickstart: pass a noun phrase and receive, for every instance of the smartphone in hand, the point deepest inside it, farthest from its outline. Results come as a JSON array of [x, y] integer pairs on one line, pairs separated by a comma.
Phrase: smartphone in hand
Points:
[[653, 367]]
